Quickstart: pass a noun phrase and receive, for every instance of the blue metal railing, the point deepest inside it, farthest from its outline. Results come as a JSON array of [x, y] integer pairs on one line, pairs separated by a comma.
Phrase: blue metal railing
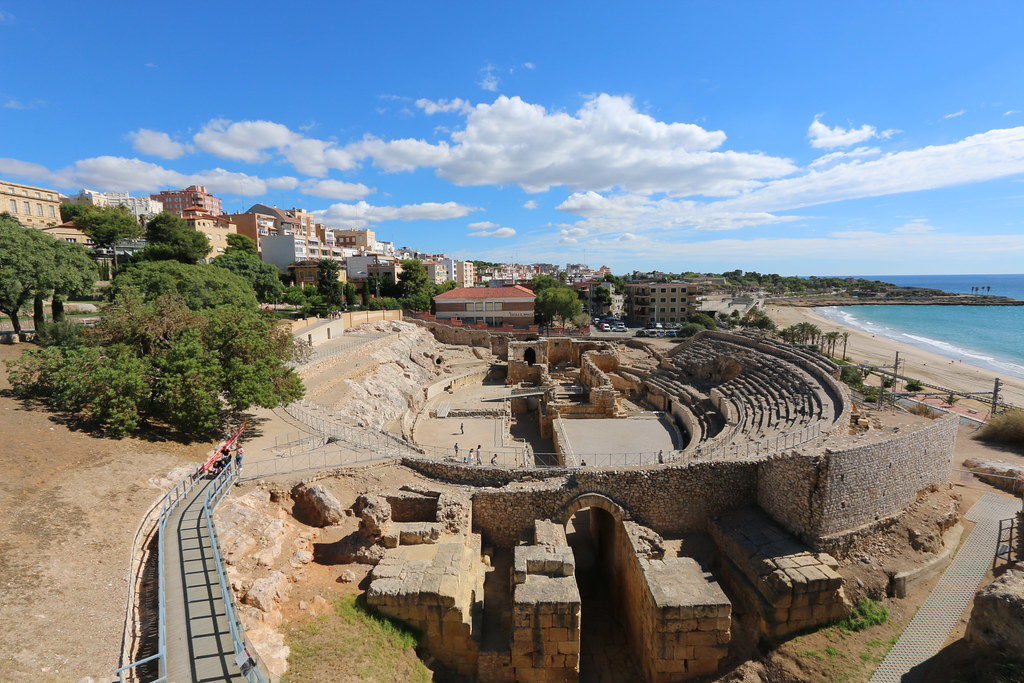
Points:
[[169, 502]]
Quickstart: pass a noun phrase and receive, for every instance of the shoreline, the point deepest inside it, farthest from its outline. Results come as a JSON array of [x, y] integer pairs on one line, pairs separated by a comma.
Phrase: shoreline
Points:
[[918, 363]]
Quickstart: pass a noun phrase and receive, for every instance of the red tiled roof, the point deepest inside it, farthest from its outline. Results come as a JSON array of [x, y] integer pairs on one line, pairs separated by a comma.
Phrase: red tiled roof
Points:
[[515, 291]]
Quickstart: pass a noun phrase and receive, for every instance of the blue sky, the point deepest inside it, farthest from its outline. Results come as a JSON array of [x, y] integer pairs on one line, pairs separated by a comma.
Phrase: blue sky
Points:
[[794, 137]]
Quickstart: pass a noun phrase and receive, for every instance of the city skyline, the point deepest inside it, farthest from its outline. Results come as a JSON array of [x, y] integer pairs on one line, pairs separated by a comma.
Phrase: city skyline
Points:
[[752, 139]]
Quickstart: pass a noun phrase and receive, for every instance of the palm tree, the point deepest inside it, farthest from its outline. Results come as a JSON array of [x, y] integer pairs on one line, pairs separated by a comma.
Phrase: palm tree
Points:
[[831, 338], [846, 338]]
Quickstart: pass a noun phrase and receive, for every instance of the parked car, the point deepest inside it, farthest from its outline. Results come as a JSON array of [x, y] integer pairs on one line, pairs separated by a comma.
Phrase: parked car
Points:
[[619, 327], [672, 326], [605, 327], [641, 333]]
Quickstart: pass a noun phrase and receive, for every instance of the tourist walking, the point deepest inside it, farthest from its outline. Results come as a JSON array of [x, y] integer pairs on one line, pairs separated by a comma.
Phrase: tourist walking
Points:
[[239, 454], [462, 428], [494, 459], [661, 457], [456, 450]]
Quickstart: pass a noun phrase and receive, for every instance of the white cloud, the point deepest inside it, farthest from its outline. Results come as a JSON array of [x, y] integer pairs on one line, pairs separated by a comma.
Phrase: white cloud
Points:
[[824, 137], [362, 214], [121, 174], [530, 204], [985, 156], [286, 182], [529, 65], [5, 16], [634, 212], [454, 105], [489, 81], [1011, 112], [156, 143], [489, 229], [243, 140], [606, 144], [335, 189], [833, 158], [14, 103], [955, 114], [249, 141], [571, 235], [916, 226]]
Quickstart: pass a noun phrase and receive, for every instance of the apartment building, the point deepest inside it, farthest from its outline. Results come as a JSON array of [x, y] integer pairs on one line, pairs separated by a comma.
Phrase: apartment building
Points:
[[37, 207], [216, 229], [355, 239], [489, 305], [463, 273], [307, 273], [437, 272], [69, 233], [140, 207], [193, 197], [665, 302]]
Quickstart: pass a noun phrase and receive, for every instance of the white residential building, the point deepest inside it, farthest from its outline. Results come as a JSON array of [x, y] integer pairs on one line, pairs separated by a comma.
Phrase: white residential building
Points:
[[141, 207]]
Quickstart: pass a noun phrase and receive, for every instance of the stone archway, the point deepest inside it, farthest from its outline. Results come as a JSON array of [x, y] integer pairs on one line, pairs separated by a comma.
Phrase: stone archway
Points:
[[595, 500], [530, 356], [596, 533]]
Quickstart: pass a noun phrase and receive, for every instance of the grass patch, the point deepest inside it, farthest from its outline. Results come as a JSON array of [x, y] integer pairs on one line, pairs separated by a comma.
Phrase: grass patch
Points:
[[831, 651], [353, 643], [866, 613], [813, 653]]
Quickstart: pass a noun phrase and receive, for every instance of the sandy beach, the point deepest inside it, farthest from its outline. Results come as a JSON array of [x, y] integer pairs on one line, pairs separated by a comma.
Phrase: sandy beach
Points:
[[917, 363]]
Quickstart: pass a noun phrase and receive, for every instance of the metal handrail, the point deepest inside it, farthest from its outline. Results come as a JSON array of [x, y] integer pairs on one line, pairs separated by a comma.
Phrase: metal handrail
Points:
[[170, 500], [210, 502]]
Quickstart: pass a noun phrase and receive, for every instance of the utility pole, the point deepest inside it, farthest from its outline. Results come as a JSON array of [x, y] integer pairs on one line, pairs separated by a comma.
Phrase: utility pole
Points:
[[995, 397]]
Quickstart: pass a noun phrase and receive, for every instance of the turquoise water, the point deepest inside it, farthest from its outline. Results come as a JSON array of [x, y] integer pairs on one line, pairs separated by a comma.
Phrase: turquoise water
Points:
[[991, 337]]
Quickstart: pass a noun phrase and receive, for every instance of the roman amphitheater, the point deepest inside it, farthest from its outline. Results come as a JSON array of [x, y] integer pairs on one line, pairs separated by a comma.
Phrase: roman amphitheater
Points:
[[545, 509]]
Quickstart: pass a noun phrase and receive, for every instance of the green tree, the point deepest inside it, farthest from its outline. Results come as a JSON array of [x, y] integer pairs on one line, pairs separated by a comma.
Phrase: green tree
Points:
[[202, 286], [260, 275], [704, 320], [328, 285], [541, 282], [689, 329], [351, 294], [413, 278], [243, 243], [169, 238], [160, 362], [294, 296], [70, 212], [557, 303], [108, 227], [26, 269], [75, 274]]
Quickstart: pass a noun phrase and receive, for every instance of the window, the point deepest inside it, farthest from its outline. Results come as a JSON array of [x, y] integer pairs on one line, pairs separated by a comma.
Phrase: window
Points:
[[27, 207], [39, 210], [39, 195], [14, 206]]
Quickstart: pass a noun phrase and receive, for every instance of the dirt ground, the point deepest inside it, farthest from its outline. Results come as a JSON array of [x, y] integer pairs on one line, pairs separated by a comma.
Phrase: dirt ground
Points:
[[70, 504]]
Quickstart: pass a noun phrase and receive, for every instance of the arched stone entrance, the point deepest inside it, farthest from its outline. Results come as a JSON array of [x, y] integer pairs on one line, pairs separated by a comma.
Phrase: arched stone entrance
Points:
[[530, 356], [594, 526]]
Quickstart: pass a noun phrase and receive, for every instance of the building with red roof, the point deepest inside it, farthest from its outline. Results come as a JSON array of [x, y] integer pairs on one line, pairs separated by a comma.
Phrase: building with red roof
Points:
[[489, 305]]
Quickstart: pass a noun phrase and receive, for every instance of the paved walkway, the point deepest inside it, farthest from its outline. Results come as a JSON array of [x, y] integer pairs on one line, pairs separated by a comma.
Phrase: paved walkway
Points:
[[931, 627], [199, 646]]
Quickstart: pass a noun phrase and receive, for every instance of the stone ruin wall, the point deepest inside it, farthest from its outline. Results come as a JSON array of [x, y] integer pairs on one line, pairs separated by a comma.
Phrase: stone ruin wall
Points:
[[823, 498], [546, 608], [818, 498]]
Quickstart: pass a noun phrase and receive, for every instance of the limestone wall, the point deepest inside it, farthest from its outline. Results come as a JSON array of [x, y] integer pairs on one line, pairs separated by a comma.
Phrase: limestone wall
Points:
[[676, 617], [819, 498], [668, 499], [546, 609], [866, 484]]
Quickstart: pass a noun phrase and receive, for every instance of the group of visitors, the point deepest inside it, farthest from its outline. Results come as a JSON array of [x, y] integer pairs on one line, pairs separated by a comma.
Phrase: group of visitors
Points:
[[475, 456], [225, 459]]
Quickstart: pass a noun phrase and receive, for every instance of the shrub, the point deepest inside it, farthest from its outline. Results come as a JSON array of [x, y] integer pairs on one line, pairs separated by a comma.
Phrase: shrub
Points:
[[852, 376], [64, 333], [888, 382], [914, 385], [866, 613], [921, 410], [689, 329], [1007, 427]]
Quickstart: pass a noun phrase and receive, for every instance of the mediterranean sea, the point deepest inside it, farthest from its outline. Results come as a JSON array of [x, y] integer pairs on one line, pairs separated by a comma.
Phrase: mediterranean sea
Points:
[[985, 336]]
